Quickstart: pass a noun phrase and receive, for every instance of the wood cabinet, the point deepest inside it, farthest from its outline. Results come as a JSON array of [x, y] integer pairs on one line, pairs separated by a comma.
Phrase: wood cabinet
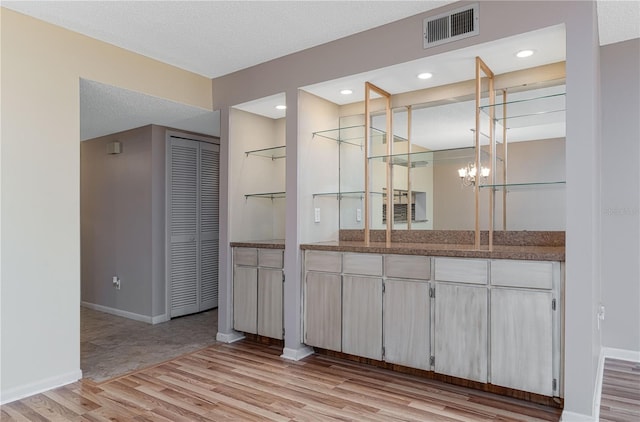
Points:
[[460, 335], [406, 326], [525, 337], [362, 316], [258, 291], [496, 322], [245, 299], [323, 310]]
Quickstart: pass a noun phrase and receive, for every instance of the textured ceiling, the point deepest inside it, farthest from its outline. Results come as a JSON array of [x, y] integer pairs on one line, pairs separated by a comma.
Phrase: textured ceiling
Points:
[[213, 38]]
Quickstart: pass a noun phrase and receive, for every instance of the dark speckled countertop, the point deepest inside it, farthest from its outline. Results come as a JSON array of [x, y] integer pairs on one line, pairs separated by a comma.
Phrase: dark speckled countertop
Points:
[[263, 244], [537, 253]]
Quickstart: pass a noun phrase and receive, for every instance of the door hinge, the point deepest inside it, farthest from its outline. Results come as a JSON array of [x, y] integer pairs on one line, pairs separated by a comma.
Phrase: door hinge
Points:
[[283, 333], [383, 352], [553, 304], [432, 292], [555, 384], [432, 360]]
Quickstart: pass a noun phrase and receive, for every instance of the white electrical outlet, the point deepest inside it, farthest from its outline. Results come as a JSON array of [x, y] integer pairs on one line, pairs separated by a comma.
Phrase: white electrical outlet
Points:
[[316, 215], [358, 214]]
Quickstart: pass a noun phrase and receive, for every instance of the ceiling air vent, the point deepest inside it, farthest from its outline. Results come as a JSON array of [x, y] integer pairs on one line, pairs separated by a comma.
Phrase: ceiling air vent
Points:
[[451, 26]]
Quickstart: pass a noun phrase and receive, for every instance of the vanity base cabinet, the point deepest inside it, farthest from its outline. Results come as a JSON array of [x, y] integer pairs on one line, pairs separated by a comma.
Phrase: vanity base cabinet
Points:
[[245, 299], [460, 333], [258, 291], [362, 316], [406, 323], [521, 340], [323, 310], [270, 294]]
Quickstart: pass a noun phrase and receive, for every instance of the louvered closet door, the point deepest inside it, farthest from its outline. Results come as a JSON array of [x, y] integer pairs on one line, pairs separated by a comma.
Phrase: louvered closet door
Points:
[[182, 216], [209, 203]]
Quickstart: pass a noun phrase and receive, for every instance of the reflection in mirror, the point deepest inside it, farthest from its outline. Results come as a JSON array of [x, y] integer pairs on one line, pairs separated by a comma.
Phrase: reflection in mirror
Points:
[[528, 175]]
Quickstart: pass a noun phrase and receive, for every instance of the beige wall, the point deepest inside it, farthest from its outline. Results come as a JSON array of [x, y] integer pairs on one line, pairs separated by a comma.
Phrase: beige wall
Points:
[[40, 190]]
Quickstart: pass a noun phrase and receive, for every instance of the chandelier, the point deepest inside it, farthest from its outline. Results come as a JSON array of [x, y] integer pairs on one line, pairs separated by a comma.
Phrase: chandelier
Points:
[[468, 174]]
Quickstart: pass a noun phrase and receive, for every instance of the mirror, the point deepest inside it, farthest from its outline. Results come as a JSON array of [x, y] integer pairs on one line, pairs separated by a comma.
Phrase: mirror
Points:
[[434, 142]]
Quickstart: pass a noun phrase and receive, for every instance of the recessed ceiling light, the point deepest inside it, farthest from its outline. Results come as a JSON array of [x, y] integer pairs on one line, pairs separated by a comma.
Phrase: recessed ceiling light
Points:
[[281, 107], [346, 92], [524, 53], [425, 75]]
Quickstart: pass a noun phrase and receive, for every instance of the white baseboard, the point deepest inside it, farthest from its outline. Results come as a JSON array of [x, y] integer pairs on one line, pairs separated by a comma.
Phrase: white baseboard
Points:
[[17, 393], [297, 354], [613, 353], [622, 354], [125, 314], [231, 337], [576, 417]]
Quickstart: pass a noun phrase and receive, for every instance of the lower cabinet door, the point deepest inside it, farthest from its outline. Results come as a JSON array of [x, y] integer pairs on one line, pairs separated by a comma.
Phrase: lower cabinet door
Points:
[[407, 317], [270, 303], [362, 316], [461, 331], [245, 299], [323, 310], [522, 340]]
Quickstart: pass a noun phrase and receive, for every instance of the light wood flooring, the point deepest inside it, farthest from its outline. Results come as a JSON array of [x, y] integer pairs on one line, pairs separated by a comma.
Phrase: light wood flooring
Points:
[[620, 400], [246, 381]]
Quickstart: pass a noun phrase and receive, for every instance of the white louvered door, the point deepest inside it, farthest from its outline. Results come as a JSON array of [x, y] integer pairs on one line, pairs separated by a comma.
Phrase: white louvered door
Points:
[[192, 219], [209, 203]]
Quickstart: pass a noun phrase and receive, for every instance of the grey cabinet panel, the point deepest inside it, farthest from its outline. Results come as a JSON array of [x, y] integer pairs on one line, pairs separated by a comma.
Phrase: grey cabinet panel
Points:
[[272, 258], [245, 299], [245, 256], [461, 270], [270, 303], [362, 264], [407, 317], [323, 310], [362, 316], [407, 266], [461, 331], [531, 274], [330, 262], [521, 340]]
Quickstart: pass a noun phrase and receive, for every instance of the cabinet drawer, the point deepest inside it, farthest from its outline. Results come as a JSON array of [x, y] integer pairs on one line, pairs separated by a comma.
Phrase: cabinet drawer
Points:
[[407, 266], [531, 274], [271, 258], [362, 263], [330, 262], [245, 256], [461, 270]]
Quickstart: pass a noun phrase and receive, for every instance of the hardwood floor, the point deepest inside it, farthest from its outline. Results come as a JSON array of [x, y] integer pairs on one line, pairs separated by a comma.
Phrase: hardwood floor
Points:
[[620, 400], [248, 381]]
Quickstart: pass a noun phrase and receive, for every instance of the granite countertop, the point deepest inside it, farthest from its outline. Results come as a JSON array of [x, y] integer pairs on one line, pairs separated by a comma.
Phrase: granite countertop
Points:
[[263, 244], [539, 253]]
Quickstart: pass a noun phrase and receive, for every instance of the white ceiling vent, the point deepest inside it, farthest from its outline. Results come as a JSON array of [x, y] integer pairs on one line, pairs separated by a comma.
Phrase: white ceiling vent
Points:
[[451, 26]]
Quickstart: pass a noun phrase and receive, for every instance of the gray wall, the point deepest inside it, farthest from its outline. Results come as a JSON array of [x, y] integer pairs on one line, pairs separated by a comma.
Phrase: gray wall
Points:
[[122, 221], [380, 47], [115, 228], [620, 70]]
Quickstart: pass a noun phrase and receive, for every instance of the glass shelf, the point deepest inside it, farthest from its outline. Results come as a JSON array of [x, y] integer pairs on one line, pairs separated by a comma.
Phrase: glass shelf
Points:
[[341, 195], [526, 112], [522, 185], [429, 158], [274, 152], [354, 135], [267, 195]]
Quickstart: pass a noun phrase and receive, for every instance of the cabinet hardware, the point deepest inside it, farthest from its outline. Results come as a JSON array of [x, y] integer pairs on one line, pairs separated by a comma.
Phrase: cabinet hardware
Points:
[[383, 352], [553, 304], [432, 292], [383, 287], [432, 360], [555, 384], [283, 277], [283, 333]]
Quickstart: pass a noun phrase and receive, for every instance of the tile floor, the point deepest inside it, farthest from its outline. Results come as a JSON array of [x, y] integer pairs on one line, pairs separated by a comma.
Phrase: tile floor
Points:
[[112, 345]]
